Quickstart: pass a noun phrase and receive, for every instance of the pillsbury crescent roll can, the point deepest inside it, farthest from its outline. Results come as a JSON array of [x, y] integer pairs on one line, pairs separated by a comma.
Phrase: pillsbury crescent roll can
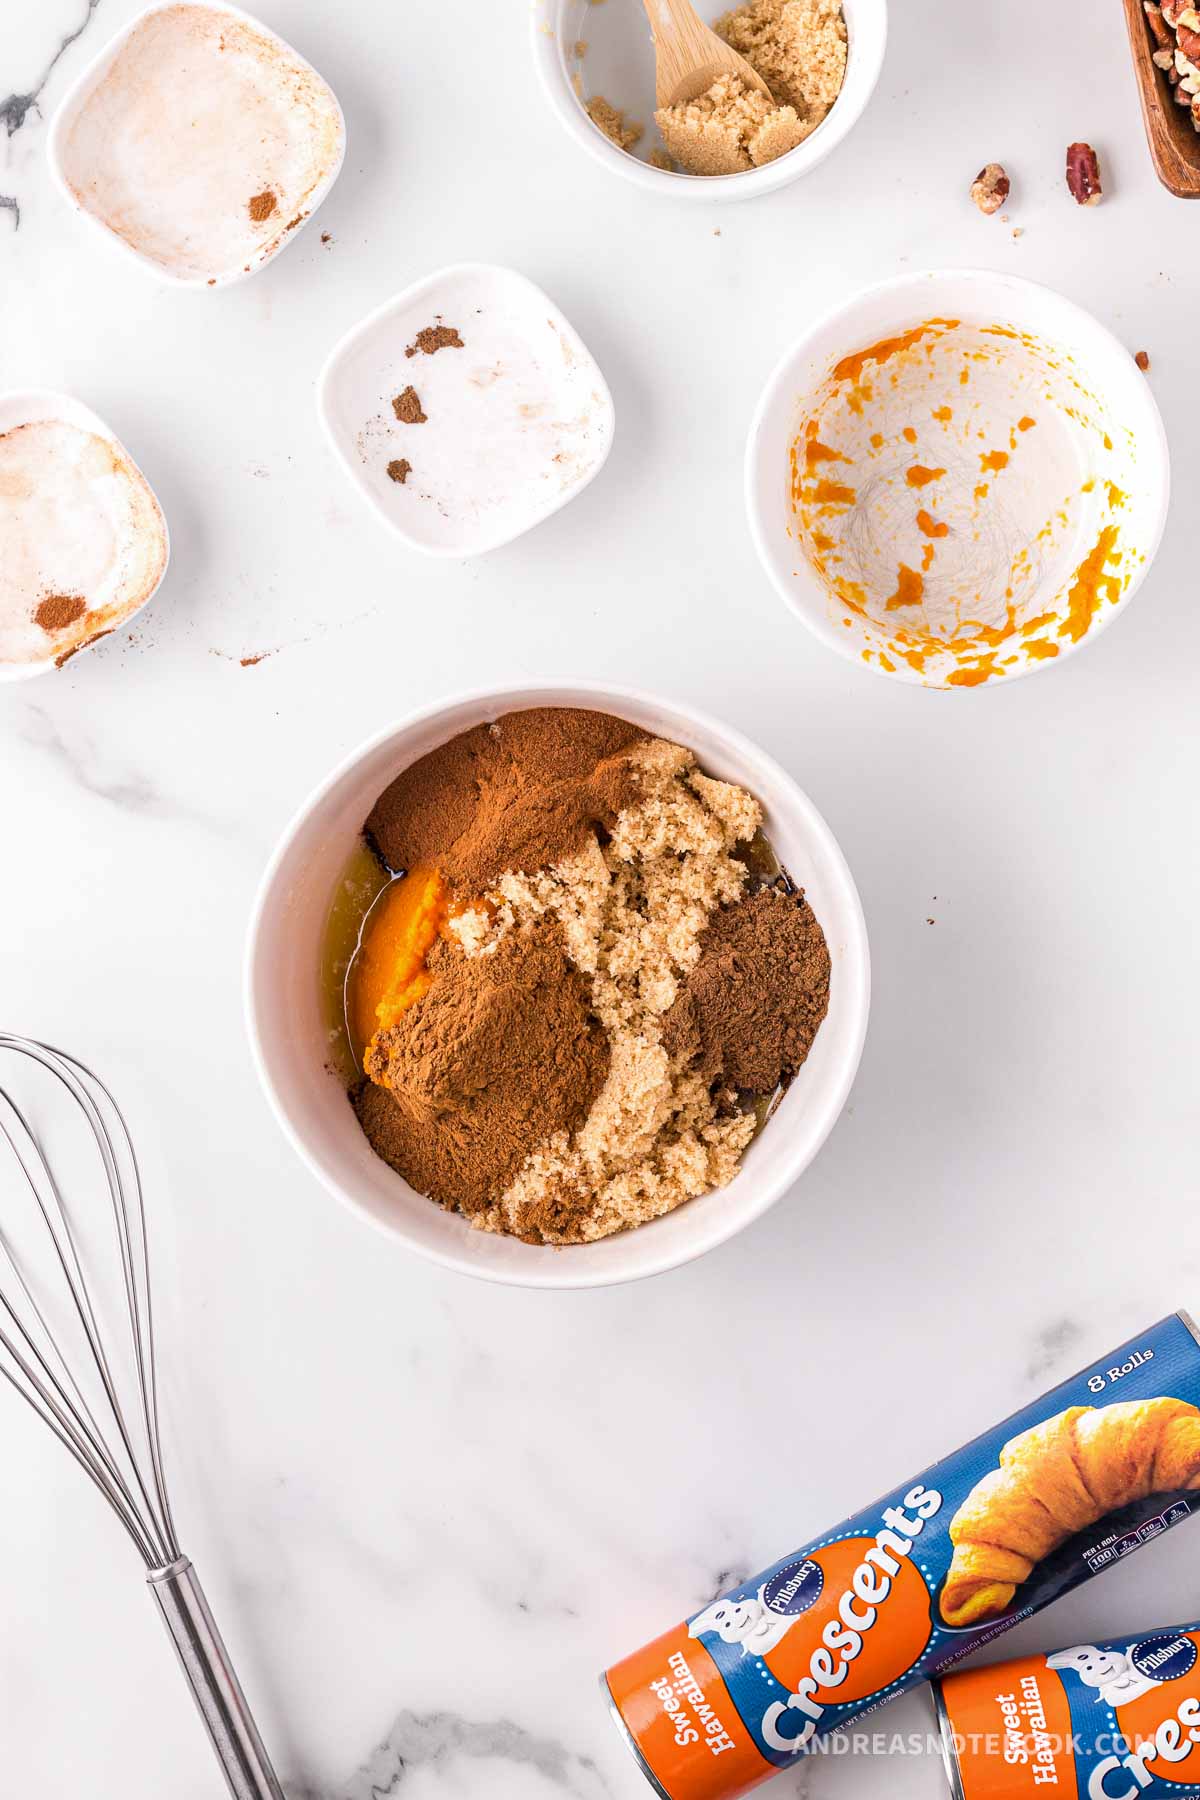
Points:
[[941, 1564], [1118, 1720]]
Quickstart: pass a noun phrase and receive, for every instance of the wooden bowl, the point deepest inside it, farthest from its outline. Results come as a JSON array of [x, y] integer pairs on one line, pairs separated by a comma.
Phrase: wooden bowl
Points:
[[1174, 143]]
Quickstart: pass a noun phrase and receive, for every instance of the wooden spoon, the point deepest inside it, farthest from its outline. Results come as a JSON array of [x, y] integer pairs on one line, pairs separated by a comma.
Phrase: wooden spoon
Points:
[[688, 57], [1174, 145]]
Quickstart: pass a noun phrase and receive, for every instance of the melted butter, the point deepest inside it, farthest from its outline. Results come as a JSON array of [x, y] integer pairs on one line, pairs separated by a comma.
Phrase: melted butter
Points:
[[359, 885]]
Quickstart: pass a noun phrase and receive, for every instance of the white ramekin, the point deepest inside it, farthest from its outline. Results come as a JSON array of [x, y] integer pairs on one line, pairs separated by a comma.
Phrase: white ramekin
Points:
[[90, 78], [289, 1035], [31, 406], [977, 296], [553, 32], [365, 366]]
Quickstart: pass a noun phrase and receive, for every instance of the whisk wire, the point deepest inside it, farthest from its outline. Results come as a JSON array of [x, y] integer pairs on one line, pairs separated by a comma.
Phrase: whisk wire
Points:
[[140, 1501], [144, 1346], [66, 1394]]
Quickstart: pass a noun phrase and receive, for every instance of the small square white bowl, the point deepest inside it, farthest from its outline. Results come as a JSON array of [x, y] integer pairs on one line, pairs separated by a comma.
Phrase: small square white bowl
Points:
[[198, 141], [518, 419]]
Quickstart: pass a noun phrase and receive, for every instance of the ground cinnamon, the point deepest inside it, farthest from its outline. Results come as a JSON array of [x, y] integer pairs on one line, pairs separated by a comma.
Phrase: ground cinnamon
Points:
[[261, 206], [407, 408], [432, 338], [399, 469], [56, 611], [751, 1006], [503, 1051], [519, 794]]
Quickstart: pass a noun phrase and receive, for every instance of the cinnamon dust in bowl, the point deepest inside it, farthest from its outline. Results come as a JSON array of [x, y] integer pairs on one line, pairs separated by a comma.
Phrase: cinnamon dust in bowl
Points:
[[566, 977], [84, 539], [967, 497]]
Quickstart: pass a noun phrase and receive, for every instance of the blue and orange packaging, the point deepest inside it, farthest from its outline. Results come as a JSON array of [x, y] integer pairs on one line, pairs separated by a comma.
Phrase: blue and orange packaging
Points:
[[1113, 1721], [942, 1564]]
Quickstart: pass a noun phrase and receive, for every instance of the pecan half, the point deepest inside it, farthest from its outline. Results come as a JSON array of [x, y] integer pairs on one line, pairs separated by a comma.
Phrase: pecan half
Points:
[[1158, 25], [990, 188], [1083, 174], [1172, 9]]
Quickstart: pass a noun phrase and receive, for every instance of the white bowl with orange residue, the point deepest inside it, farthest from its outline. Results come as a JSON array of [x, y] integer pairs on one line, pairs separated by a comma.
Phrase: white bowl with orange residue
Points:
[[289, 1025], [957, 478], [198, 142]]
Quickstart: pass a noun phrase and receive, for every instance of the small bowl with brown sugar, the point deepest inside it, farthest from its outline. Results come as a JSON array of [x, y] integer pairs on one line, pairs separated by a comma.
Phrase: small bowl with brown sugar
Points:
[[821, 60], [562, 985]]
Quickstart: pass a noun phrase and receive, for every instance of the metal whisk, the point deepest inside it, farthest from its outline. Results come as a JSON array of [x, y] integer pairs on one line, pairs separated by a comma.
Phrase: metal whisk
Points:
[[73, 1253]]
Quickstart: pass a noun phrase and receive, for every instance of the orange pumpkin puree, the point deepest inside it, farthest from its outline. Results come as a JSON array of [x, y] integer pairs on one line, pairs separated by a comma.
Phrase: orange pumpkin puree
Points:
[[919, 476], [1091, 587], [909, 589], [389, 973], [832, 493], [851, 367], [932, 527], [817, 452]]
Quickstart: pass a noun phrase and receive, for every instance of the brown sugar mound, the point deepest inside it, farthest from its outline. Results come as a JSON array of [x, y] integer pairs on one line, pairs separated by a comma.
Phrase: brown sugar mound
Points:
[[503, 1051], [751, 1007], [799, 49], [519, 794], [729, 128], [631, 911], [797, 46]]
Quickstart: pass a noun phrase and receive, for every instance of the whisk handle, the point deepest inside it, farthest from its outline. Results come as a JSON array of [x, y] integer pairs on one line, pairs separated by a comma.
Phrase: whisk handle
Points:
[[210, 1675]]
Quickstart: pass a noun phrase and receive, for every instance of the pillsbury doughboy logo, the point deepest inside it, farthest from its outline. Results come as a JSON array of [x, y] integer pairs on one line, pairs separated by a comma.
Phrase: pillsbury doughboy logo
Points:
[[794, 1588], [1164, 1657], [745, 1624]]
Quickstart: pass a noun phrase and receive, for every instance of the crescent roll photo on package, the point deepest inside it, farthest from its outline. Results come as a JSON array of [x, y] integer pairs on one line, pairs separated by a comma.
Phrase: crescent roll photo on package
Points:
[[942, 1563]]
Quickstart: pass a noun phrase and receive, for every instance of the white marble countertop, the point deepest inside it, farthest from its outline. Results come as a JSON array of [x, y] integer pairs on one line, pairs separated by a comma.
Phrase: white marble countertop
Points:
[[427, 1511]]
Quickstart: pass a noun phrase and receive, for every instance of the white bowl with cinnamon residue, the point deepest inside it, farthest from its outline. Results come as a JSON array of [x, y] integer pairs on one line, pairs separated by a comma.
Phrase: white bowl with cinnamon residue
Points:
[[85, 540], [289, 1028], [957, 478], [198, 142]]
